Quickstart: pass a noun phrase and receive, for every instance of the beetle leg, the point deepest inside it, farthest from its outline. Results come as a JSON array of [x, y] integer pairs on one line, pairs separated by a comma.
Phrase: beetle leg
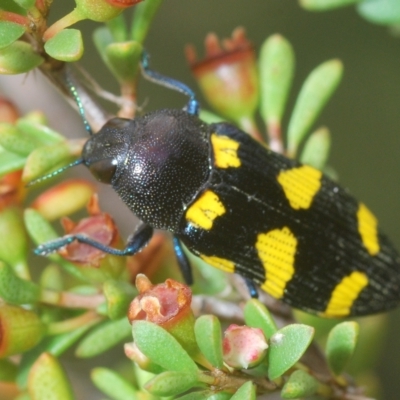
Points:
[[183, 261], [135, 243], [192, 106], [252, 288]]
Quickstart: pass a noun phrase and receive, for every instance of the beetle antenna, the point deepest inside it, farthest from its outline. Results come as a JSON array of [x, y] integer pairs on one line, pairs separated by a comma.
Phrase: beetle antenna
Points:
[[54, 173], [192, 106], [75, 95]]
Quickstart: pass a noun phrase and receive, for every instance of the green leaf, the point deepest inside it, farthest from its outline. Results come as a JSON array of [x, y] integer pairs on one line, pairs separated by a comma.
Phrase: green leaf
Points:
[[17, 58], [41, 231], [299, 385], [385, 12], [55, 345], [27, 4], [47, 380], [209, 338], [161, 347], [113, 384], [340, 346], [171, 383], [256, 315], [10, 162], [276, 66], [118, 29], [210, 117], [44, 158], [39, 132], [8, 371], [286, 348], [15, 290], [102, 37], [118, 295], [316, 149], [104, 337], [13, 140], [66, 45], [144, 14], [13, 246], [314, 94], [323, 5], [123, 59], [246, 392], [9, 33]]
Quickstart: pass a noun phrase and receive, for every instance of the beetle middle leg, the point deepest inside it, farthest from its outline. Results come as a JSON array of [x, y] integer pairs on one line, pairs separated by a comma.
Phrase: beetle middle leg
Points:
[[135, 243]]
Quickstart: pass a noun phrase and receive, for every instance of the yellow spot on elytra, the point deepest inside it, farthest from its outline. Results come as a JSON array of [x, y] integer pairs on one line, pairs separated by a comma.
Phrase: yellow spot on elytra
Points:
[[276, 250], [225, 151], [300, 185], [205, 210], [220, 263], [345, 293], [368, 228]]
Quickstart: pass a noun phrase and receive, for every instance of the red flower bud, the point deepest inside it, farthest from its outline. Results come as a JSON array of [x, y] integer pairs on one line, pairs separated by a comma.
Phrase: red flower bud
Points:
[[228, 75], [168, 305], [99, 226], [244, 347]]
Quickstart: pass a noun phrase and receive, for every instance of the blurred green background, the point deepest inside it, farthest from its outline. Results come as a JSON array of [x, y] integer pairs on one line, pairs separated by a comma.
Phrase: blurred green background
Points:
[[363, 115]]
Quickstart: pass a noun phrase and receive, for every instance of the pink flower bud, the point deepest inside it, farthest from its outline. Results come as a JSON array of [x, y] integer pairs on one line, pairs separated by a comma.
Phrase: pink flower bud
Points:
[[99, 226], [228, 75], [244, 347]]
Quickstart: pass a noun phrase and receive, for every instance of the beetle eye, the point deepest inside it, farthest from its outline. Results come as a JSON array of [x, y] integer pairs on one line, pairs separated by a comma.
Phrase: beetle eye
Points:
[[103, 170]]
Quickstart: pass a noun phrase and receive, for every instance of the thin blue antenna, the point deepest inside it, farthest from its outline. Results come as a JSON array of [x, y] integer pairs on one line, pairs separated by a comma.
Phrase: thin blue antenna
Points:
[[54, 173], [192, 106], [75, 95]]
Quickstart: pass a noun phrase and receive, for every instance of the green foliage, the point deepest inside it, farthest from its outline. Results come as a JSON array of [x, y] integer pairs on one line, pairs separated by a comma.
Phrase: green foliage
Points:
[[62, 313]]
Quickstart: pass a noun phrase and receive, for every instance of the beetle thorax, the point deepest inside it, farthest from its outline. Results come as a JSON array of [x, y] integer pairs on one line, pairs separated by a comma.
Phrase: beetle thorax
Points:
[[167, 164]]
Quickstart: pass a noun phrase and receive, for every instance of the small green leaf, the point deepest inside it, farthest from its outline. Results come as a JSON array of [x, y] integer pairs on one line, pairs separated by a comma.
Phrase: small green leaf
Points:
[[44, 158], [200, 395], [17, 58], [13, 140], [314, 94], [118, 295], [55, 345], [47, 380], [209, 338], [66, 45], [41, 232], [104, 337], [144, 14], [246, 392], [39, 132], [276, 67], [299, 385], [256, 315], [161, 347], [10, 162], [385, 12], [210, 117], [323, 5], [113, 384], [286, 348], [102, 37], [9, 33], [342, 340], [27, 4], [123, 59], [316, 149], [15, 290], [13, 245], [118, 28], [8, 371], [171, 383]]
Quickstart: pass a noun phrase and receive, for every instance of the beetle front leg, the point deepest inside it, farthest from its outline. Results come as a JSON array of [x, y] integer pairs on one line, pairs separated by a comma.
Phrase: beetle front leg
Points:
[[135, 243], [183, 261]]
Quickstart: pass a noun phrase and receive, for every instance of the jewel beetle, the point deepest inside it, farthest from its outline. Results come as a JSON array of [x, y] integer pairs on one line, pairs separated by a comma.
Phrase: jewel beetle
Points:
[[242, 208]]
